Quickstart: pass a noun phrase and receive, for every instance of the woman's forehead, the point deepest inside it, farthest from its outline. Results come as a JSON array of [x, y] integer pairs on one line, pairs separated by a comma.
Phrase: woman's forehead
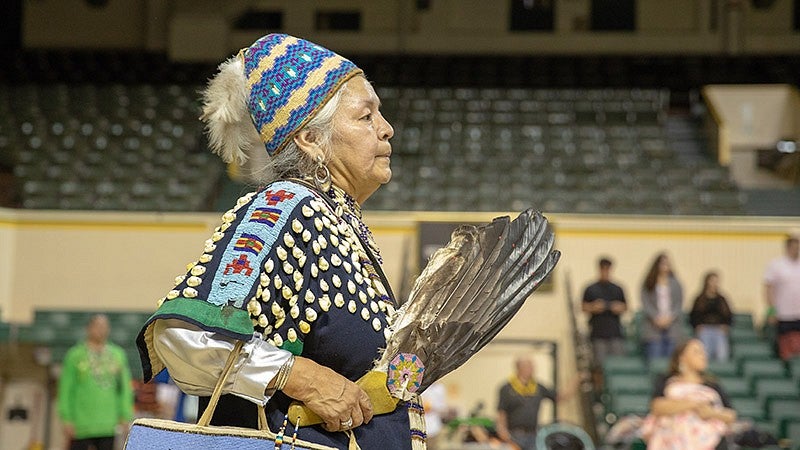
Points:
[[359, 91], [695, 345]]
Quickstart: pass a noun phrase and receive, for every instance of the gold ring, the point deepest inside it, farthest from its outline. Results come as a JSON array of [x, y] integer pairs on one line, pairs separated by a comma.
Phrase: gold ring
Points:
[[346, 423]]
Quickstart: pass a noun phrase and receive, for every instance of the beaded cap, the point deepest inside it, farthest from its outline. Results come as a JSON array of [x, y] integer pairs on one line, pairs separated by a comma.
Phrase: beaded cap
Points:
[[288, 81]]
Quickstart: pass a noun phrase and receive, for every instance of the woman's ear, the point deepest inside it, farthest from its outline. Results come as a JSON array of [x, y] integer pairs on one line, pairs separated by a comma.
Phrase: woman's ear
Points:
[[306, 140]]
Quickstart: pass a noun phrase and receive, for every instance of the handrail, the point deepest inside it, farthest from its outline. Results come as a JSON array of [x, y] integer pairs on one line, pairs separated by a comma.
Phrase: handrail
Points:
[[583, 359]]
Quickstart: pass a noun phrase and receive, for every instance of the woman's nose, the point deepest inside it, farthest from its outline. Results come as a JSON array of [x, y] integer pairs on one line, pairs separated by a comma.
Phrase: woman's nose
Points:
[[386, 131]]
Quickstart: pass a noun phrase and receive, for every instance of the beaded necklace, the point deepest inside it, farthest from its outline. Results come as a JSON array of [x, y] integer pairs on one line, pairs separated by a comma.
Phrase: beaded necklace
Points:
[[526, 390], [350, 211]]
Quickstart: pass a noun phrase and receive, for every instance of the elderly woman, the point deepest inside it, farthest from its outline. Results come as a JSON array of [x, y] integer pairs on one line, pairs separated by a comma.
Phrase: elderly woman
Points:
[[292, 270]]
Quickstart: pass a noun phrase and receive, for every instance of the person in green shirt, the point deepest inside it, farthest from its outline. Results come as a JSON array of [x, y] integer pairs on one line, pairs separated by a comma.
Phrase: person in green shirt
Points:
[[94, 391]]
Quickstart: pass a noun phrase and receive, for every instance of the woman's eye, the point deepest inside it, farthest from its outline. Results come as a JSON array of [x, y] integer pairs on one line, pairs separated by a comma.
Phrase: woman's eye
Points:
[[367, 117]]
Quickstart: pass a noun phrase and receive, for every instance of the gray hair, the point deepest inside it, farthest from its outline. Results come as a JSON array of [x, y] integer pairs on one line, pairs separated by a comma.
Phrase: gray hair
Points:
[[293, 162]]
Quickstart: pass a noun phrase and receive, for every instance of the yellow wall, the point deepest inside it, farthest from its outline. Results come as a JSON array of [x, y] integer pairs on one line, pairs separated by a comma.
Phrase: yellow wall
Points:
[[127, 261]]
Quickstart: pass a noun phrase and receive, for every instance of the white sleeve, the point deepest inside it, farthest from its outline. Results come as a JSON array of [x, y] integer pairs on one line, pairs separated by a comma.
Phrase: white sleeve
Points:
[[195, 358], [771, 273]]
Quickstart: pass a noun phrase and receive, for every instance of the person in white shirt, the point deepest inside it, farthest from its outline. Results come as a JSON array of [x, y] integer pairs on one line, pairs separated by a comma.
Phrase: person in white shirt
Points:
[[782, 289]]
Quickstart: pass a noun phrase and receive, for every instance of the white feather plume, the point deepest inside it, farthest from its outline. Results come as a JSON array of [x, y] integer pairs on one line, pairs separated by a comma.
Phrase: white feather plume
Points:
[[231, 132]]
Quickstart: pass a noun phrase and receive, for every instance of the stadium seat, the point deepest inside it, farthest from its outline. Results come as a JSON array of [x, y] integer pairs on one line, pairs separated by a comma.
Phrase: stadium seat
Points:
[[779, 409], [768, 426], [747, 407], [743, 320], [766, 388], [738, 335], [727, 368], [794, 368], [133, 119], [757, 368], [659, 366], [752, 350], [735, 386], [790, 429], [624, 383], [624, 364], [625, 404]]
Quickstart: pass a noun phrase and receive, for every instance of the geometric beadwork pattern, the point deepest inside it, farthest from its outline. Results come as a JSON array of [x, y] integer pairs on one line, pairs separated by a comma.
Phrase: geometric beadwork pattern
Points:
[[289, 80]]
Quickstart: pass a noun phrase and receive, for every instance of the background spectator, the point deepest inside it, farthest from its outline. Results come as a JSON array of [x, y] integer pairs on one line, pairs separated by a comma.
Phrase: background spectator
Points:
[[688, 410], [782, 287], [518, 405], [94, 391], [662, 303], [711, 318], [604, 301]]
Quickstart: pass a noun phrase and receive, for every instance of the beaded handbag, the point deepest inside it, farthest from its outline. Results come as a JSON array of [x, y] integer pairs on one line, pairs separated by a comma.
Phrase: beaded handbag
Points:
[[160, 434]]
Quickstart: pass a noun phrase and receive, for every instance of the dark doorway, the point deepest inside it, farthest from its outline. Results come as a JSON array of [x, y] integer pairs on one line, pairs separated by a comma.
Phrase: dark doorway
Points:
[[532, 15], [796, 15], [10, 25], [613, 15]]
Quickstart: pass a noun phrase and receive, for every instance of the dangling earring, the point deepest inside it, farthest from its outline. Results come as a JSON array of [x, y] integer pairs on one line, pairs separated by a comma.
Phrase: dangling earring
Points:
[[322, 176]]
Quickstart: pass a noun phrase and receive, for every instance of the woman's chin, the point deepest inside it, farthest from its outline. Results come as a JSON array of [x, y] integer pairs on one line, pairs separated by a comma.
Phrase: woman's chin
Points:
[[386, 176]]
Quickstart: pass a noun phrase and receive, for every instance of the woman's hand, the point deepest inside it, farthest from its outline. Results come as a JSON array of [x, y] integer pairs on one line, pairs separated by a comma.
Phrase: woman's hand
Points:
[[706, 411], [663, 406], [340, 403], [663, 322]]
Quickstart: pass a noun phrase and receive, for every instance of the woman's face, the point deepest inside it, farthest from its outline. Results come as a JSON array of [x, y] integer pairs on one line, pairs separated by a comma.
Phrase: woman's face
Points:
[[663, 265], [713, 283], [360, 149], [694, 356]]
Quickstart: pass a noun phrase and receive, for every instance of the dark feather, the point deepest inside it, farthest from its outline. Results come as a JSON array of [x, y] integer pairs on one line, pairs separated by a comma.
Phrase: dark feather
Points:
[[470, 290]]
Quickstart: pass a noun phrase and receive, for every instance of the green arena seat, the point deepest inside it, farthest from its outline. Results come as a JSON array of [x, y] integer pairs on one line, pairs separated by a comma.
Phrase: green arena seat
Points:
[[658, 366], [766, 388], [743, 320], [752, 350], [58, 352], [728, 368], [5, 332], [754, 368], [624, 383], [624, 364], [790, 429], [626, 404], [735, 386], [779, 409], [57, 319], [794, 368], [749, 408], [767, 426], [739, 335]]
